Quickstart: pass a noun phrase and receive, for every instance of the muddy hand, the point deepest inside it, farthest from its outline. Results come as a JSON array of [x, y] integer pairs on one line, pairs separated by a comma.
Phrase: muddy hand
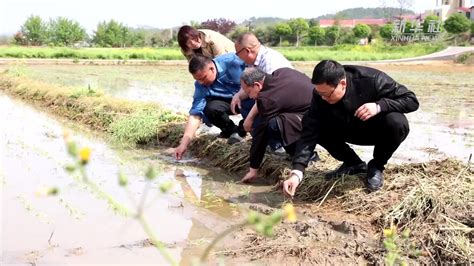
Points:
[[251, 174], [179, 151], [235, 102], [248, 124], [290, 185]]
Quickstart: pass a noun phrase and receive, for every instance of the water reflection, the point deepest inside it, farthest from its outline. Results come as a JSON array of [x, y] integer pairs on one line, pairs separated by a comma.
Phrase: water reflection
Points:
[[78, 226]]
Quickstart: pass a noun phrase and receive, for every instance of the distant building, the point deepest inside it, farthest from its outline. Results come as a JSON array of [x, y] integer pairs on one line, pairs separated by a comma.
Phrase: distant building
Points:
[[444, 8], [410, 17], [350, 23]]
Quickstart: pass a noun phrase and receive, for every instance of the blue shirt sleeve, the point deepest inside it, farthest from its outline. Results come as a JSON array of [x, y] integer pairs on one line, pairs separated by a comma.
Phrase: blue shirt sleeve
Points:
[[227, 83], [199, 100]]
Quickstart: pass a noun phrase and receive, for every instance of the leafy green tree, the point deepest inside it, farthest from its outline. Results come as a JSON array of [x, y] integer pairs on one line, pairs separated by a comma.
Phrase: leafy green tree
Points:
[[271, 37], [34, 30], [299, 27], [374, 31], [332, 34], [386, 31], [316, 35], [135, 38], [65, 32], [195, 24], [166, 38], [239, 30], [282, 30], [456, 24], [346, 35], [261, 35], [472, 28], [361, 31], [111, 34], [313, 22]]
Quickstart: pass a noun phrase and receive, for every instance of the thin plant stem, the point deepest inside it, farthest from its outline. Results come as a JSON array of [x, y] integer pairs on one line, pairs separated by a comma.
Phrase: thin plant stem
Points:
[[329, 191], [221, 235], [143, 199], [157, 243]]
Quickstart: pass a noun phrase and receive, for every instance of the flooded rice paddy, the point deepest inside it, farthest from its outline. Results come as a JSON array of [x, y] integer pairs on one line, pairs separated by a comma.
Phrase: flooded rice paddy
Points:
[[78, 226], [443, 125]]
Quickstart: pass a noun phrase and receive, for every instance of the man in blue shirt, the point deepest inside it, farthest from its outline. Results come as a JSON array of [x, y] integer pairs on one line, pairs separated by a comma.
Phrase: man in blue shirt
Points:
[[217, 81]]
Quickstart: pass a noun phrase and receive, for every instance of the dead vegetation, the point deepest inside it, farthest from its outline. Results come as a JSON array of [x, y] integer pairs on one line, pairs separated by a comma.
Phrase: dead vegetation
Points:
[[434, 200], [313, 241]]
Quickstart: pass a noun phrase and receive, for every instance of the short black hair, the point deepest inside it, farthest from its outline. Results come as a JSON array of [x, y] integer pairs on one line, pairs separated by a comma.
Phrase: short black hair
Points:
[[197, 63], [329, 72]]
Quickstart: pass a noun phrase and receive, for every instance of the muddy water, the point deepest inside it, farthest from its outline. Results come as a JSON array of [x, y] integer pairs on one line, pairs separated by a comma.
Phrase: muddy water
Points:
[[79, 226], [170, 83], [443, 126]]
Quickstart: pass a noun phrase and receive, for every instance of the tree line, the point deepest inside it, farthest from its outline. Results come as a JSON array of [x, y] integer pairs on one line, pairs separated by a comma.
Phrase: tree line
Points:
[[294, 32]]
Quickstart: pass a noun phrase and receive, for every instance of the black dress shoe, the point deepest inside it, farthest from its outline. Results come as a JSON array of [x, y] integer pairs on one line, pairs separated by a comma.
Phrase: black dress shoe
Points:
[[346, 169], [224, 135], [314, 157], [374, 179]]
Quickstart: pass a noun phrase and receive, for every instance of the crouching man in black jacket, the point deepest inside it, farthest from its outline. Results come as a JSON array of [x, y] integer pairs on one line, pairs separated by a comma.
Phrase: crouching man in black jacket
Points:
[[358, 105]]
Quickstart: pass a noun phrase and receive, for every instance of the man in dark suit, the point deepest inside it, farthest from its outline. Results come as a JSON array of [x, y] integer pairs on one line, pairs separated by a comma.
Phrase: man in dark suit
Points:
[[281, 99], [358, 105]]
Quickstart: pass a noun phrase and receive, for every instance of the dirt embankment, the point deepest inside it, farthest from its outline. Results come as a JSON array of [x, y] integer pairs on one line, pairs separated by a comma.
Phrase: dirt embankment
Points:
[[430, 205]]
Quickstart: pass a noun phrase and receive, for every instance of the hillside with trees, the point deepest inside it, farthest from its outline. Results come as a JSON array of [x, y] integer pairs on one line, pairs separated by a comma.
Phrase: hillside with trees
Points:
[[360, 13], [261, 22]]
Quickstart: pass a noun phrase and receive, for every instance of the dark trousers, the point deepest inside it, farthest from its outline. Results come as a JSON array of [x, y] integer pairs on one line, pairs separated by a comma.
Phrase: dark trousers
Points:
[[274, 137], [217, 111], [384, 131]]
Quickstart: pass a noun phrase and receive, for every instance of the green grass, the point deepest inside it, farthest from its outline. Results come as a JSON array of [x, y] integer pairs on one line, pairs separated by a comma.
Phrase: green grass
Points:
[[91, 53], [466, 58], [130, 122], [307, 53], [141, 126], [357, 52]]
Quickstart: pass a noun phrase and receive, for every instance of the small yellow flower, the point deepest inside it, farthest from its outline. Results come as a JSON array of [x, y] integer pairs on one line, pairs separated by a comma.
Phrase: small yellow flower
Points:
[[388, 233], [290, 213], [84, 155]]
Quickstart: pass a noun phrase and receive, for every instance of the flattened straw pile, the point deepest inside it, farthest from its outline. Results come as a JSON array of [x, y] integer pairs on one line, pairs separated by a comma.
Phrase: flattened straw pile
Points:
[[434, 200], [235, 158]]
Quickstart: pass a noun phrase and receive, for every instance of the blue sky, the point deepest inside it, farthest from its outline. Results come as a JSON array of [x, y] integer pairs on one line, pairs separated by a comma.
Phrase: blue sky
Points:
[[88, 13]]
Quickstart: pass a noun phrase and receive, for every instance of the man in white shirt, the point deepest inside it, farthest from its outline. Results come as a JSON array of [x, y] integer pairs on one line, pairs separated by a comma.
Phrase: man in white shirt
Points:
[[253, 53]]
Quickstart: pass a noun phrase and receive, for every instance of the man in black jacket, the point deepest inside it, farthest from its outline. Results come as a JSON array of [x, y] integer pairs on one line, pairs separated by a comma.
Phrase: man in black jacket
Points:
[[281, 99], [358, 105]]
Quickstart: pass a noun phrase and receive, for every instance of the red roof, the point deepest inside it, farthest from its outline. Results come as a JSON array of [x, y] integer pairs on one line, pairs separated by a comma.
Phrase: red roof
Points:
[[465, 9], [409, 17], [351, 22]]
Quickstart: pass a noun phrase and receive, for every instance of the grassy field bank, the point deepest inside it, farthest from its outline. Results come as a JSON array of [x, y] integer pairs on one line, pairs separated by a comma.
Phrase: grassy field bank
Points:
[[308, 53], [127, 121]]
